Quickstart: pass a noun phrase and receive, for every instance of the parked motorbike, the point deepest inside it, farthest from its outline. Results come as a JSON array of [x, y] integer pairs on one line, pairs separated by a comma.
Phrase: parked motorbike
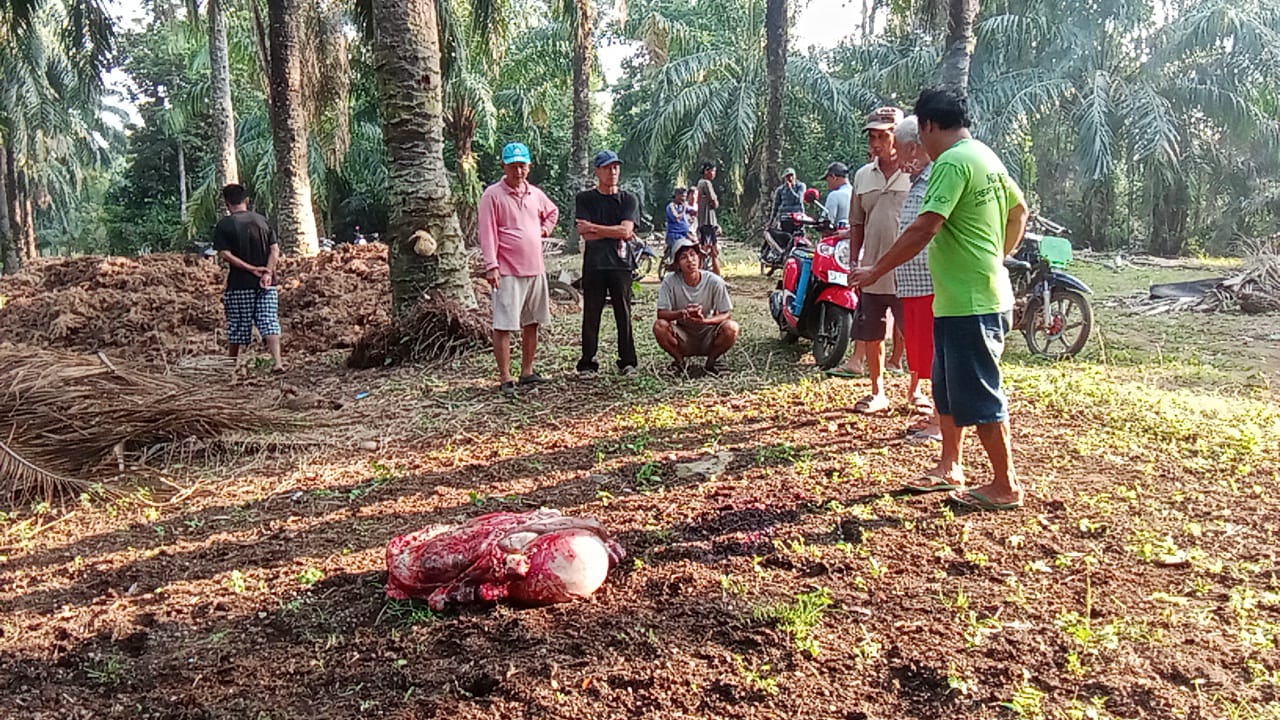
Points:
[[814, 299], [779, 241], [642, 259], [1051, 307]]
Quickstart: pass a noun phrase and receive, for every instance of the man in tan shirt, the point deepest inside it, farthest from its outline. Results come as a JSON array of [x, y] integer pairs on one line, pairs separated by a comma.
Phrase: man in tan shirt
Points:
[[879, 189]]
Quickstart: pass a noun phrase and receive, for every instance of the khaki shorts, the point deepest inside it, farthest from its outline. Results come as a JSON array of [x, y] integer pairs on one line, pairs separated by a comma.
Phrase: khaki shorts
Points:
[[696, 340], [521, 301]]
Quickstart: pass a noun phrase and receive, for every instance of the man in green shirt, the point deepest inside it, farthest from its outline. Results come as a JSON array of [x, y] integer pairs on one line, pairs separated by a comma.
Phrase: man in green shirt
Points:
[[973, 216]]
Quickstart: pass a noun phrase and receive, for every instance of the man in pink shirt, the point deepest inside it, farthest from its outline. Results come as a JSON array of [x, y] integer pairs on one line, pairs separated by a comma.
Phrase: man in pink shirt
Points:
[[514, 217]]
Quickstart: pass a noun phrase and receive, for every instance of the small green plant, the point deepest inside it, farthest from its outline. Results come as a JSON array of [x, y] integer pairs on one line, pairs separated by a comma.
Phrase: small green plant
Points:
[[1027, 701], [649, 476], [410, 612], [107, 671], [799, 619], [236, 582], [732, 585], [477, 498], [957, 682], [310, 576], [759, 678]]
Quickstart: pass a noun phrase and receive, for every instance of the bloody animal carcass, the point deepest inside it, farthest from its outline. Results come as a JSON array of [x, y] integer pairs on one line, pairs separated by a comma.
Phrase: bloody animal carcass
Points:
[[535, 558]]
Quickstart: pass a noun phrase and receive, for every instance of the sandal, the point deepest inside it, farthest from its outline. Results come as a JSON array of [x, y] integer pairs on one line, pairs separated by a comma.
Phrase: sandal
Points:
[[841, 372], [977, 501], [921, 404], [930, 482], [872, 405], [924, 437]]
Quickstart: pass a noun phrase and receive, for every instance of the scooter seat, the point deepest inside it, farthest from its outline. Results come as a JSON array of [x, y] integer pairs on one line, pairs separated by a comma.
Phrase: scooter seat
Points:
[[1015, 264]]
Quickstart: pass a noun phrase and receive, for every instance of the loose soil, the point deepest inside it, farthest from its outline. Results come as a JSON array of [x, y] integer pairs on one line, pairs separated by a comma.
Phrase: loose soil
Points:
[[1139, 579]]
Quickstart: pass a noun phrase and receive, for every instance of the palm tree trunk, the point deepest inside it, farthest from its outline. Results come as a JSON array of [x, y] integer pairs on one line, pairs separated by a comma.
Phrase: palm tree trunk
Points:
[[961, 15], [775, 43], [13, 201], [1169, 218], [422, 230], [225, 169], [182, 181], [263, 53], [295, 220], [8, 249], [29, 220], [580, 142], [469, 181]]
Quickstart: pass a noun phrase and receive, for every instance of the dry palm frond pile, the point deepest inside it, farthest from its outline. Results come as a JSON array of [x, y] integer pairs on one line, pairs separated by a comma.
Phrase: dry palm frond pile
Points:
[[1257, 288], [437, 329], [170, 305], [71, 422]]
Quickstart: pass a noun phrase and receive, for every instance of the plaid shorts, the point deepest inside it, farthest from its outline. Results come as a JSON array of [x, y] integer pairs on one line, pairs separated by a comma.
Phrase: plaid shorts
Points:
[[248, 307]]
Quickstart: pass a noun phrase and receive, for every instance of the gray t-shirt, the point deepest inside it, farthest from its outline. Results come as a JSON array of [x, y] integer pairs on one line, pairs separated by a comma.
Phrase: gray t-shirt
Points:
[[710, 292], [706, 203], [838, 205]]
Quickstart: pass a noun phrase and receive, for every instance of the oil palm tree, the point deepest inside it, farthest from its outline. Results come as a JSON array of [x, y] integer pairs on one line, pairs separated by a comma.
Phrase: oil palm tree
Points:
[[221, 111], [1146, 105], [426, 242], [705, 88], [293, 212], [52, 56]]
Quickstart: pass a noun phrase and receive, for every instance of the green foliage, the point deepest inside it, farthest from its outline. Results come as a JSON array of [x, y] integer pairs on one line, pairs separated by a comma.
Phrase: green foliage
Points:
[[801, 618]]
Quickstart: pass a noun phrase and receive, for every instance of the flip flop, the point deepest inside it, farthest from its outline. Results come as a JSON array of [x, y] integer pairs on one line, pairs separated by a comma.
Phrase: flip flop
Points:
[[873, 405], [842, 373], [929, 482], [920, 437], [978, 501], [922, 404]]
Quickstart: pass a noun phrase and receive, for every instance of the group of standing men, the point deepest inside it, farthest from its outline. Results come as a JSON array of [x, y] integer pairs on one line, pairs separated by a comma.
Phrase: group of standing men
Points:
[[929, 185], [694, 310]]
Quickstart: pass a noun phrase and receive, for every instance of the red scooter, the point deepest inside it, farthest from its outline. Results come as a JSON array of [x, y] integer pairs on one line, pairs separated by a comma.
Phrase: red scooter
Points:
[[814, 299]]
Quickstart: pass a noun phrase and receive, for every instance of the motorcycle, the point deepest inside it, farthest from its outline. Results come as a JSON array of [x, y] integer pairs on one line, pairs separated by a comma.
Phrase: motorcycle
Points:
[[779, 241], [813, 299], [642, 258], [1051, 307]]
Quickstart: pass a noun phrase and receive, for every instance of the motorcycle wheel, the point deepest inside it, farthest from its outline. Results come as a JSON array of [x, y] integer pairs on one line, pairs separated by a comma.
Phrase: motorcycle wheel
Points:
[[643, 267], [563, 293], [1069, 329], [835, 325]]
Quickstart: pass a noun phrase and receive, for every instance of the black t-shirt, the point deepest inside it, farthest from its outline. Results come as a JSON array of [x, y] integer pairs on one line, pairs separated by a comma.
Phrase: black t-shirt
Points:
[[609, 210], [248, 236]]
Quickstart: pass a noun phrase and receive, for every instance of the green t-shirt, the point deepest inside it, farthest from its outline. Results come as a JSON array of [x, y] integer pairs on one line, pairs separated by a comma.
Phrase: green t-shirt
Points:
[[970, 187]]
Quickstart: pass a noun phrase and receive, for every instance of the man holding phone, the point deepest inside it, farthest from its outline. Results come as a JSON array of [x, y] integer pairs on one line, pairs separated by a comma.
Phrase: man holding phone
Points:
[[247, 244], [695, 314]]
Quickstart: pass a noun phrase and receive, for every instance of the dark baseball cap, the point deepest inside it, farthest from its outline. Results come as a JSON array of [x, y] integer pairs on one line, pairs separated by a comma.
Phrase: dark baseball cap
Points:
[[607, 157], [838, 169]]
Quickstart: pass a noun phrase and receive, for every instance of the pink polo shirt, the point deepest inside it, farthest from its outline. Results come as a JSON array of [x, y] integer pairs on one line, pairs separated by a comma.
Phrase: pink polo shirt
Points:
[[512, 224]]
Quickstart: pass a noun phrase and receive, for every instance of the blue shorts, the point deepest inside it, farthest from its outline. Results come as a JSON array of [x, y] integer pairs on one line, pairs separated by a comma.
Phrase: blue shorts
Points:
[[248, 307], [966, 368]]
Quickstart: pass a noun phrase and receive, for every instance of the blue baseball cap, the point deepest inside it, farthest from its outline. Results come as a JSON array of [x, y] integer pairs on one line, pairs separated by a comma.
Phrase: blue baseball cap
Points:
[[516, 152], [607, 157]]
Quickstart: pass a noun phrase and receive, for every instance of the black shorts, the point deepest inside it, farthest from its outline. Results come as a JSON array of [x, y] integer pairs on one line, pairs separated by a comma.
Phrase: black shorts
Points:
[[870, 324]]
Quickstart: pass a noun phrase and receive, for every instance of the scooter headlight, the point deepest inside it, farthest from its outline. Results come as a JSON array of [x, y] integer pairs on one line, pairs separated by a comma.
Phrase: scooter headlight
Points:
[[842, 253]]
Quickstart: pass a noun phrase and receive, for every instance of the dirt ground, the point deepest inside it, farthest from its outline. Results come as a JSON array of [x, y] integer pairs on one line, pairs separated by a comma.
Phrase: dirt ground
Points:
[[1141, 580]]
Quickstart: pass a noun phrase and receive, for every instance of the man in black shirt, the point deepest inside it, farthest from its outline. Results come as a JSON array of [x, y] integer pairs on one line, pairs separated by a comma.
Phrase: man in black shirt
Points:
[[606, 218], [247, 244]]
